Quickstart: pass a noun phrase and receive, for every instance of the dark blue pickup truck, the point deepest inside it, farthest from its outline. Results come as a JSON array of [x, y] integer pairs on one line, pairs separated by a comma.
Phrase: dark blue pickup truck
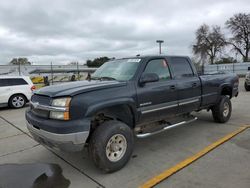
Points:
[[124, 98]]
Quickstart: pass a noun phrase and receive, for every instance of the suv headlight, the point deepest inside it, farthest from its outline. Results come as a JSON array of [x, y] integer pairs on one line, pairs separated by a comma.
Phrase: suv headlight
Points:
[[62, 112]]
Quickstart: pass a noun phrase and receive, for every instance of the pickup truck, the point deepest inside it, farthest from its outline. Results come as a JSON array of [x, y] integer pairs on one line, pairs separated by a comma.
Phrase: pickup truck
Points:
[[126, 98]]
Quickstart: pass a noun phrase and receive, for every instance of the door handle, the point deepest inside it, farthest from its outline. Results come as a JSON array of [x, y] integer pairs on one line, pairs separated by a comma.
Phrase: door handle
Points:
[[194, 84], [172, 87]]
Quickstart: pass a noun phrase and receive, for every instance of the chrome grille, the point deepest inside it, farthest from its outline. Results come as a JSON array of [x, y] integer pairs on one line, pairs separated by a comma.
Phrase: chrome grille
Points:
[[41, 99], [44, 100]]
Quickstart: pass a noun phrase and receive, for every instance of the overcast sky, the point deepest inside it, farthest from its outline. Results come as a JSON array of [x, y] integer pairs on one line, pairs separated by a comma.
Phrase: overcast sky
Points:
[[75, 30]]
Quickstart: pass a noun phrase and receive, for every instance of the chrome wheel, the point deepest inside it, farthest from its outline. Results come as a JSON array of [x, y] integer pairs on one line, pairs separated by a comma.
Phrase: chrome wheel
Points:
[[116, 147], [226, 109], [18, 101]]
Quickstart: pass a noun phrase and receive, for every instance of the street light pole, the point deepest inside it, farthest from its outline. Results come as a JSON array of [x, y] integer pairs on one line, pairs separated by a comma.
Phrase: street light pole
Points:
[[160, 42]]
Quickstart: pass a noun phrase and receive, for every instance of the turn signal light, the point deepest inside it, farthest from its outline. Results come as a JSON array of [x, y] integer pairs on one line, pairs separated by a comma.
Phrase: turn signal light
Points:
[[33, 88]]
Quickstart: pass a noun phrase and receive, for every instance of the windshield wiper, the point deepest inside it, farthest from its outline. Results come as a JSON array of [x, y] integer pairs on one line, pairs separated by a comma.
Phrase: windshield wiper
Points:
[[103, 78]]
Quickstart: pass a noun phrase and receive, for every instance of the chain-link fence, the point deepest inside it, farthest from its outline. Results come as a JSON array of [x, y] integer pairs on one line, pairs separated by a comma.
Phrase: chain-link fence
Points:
[[48, 74], [238, 68]]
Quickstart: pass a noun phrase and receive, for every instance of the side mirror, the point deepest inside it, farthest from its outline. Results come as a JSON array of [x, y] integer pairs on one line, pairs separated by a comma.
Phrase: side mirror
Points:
[[148, 77]]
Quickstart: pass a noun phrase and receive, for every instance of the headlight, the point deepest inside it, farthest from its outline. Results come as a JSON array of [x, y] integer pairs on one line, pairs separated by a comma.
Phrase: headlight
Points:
[[62, 102], [60, 113]]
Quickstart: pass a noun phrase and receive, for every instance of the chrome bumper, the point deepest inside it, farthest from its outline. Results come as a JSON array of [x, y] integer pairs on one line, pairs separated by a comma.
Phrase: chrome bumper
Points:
[[66, 142]]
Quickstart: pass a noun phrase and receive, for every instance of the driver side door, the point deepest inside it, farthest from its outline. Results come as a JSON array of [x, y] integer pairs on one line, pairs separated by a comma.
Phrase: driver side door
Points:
[[157, 100]]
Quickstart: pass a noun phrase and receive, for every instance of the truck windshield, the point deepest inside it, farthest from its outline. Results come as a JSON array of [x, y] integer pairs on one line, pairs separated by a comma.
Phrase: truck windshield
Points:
[[121, 70]]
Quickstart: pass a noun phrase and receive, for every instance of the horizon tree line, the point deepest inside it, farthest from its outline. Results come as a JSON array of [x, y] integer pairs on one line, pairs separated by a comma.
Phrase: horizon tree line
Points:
[[210, 41]]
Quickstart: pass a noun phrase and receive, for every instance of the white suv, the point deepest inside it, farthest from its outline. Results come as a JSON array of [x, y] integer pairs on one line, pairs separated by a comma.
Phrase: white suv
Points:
[[15, 91]]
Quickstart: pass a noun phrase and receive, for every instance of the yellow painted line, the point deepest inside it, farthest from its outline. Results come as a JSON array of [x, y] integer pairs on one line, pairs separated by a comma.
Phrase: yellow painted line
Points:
[[169, 172]]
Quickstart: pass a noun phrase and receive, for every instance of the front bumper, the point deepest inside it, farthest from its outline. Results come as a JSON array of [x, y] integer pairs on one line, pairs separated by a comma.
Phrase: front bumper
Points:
[[71, 142], [64, 135]]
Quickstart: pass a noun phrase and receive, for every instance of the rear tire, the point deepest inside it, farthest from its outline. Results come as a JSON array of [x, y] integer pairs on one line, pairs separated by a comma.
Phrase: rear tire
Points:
[[247, 87], [17, 101], [222, 111], [111, 146]]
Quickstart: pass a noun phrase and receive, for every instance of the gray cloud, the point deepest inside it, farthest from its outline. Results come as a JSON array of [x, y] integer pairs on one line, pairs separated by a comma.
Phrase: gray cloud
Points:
[[63, 31]]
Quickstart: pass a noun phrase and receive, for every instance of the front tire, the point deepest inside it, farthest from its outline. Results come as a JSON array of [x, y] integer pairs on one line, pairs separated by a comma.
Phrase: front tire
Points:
[[17, 101], [222, 111], [247, 87], [111, 146]]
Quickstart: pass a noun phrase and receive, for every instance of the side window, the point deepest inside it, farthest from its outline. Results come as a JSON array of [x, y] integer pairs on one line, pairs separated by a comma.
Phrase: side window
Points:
[[12, 82], [3, 82], [18, 81], [181, 67], [159, 67]]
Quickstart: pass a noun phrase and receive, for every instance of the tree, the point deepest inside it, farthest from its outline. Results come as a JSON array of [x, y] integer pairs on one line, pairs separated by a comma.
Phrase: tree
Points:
[[20, 61], [97, 62], [209, 42], [88, 63], [239, 25]]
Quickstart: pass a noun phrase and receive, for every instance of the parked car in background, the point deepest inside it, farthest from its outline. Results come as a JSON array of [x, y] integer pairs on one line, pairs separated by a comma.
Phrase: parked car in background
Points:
[[247, 81], [15, 91]]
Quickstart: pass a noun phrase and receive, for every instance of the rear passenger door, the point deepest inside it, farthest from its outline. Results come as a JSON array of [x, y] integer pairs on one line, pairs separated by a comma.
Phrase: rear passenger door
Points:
[[157, 99], [187, 83]]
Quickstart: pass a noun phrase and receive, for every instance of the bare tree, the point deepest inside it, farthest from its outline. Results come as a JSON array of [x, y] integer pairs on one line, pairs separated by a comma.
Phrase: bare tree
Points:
[[209, 42], [239, 26]]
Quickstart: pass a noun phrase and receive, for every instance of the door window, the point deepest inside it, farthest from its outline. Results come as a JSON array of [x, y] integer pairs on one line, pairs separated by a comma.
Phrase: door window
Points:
[[181, 67], [159, 67]]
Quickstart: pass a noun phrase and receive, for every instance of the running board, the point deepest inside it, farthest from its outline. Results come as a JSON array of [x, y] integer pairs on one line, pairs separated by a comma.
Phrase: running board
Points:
[[144, 135]]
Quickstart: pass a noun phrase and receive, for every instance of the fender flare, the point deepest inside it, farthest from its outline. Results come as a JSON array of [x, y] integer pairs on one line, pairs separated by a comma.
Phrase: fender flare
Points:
[[110, 103]]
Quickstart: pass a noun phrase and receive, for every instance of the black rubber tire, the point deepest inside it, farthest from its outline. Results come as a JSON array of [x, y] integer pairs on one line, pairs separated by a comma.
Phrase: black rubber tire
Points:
[[218, 110], [99, 140], [20, 96], [247, 87]]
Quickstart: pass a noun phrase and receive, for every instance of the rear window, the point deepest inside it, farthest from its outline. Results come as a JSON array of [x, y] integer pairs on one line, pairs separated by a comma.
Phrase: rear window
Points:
[[181, 67], [12, 82]]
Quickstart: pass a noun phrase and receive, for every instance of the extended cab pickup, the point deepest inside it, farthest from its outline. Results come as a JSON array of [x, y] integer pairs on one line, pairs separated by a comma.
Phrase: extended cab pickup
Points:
[[124, 98]]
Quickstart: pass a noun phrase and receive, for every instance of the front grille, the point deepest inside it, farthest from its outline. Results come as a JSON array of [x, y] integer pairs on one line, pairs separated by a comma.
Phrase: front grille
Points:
[[44, 100], [41, 99]]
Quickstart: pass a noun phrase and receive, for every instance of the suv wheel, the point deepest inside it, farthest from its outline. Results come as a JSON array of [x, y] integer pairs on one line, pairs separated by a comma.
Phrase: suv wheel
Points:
[[17, 101], [247, 87], [111, 145], [222, 111]]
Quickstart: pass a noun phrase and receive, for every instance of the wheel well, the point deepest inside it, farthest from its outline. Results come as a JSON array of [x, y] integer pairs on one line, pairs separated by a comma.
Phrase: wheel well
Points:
[[227, 91], [18, 94], [119, 112]]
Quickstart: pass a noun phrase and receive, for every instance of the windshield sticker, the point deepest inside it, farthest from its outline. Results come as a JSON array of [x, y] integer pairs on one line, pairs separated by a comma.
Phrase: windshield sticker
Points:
[[134, 60]]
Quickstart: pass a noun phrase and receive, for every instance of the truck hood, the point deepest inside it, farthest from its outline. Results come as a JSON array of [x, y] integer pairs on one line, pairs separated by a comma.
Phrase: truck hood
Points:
[[74, 88]]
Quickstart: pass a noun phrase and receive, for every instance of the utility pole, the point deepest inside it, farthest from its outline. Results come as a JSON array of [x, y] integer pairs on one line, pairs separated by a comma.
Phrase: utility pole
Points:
[[78, 74], [19, 68], [51, 66], [160, 42]]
